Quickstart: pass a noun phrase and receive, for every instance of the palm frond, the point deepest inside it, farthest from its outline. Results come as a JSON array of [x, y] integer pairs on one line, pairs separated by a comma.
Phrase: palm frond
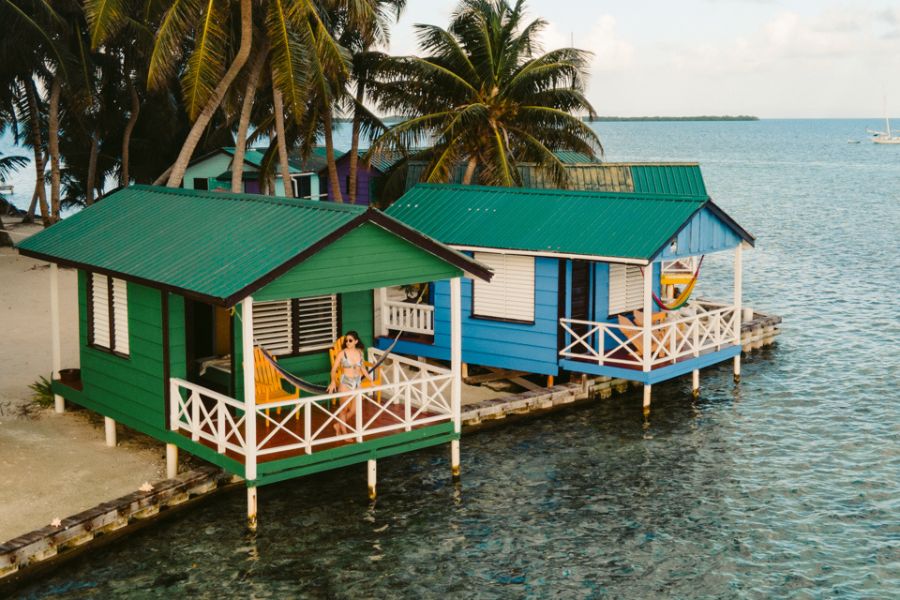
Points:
[[207, 62]]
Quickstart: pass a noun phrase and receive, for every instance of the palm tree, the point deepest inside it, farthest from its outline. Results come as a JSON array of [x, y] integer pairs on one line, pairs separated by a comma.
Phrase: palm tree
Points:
[[485, 97], [364, 64]]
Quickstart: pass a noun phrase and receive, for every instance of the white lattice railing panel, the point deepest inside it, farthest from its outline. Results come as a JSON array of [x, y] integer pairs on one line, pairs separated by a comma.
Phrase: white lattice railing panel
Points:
[[408, 317], [713, 327], [412, 394], [207, 415]]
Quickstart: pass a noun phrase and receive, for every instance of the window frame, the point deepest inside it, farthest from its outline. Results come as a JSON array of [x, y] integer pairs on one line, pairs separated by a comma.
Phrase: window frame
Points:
[[475, 283], [110, 314], [627, 308], [294, 311]]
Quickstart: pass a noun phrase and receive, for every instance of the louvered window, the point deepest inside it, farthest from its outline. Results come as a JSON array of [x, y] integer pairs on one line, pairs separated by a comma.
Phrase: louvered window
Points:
[[626, 288], [108, 321], [510, 293], [296, 326]]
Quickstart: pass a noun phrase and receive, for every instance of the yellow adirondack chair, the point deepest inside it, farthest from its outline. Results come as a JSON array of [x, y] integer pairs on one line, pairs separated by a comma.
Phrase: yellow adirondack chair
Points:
[[376, 377], [268, 384]]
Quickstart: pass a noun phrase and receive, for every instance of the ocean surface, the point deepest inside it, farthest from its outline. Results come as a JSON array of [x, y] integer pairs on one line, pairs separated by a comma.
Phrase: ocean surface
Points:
[[786, 485]]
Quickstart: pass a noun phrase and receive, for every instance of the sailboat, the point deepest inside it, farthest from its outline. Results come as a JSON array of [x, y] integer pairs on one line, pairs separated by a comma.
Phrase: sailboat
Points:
[[886, 136]]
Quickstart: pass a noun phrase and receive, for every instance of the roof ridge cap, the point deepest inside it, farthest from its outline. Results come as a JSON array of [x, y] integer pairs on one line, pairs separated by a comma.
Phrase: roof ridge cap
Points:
[[261, 198], [569, 193]]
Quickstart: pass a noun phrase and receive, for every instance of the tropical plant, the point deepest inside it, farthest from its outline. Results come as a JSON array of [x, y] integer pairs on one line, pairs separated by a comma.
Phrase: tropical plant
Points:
[[485, 97]]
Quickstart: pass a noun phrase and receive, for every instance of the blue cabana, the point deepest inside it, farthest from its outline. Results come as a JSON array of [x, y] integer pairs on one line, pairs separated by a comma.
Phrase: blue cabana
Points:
[[575, 273]]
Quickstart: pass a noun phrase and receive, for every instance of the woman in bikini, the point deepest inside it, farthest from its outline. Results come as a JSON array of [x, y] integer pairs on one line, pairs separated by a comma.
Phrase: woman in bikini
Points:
[[350, 362]]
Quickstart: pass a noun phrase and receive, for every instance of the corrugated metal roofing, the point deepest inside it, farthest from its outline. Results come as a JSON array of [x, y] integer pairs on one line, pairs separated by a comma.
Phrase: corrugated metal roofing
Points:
[[651, 178], [209, 243], [668, 179], [559, 221]]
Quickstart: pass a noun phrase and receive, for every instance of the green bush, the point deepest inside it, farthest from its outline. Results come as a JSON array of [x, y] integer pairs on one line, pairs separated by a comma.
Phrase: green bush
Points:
[[41, 394]]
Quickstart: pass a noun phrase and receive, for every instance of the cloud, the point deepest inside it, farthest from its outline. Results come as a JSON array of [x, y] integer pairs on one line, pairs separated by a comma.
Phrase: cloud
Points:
[[611, 51]]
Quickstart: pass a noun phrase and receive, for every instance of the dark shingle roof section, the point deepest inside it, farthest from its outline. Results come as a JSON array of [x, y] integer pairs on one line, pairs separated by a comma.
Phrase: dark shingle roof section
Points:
[[212, 245], [620, 225]]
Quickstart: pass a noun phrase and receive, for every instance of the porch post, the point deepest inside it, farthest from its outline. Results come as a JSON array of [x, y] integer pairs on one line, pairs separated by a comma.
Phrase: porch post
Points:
[[383, 320], [738, 284], [371, 467], [110, 427], [58, 401], [455, 368], [249, 390], [648, 323], [251, 508], [171, 461]]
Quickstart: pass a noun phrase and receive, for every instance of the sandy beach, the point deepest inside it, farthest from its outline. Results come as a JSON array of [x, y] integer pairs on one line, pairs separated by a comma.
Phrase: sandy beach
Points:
[[52, 465]]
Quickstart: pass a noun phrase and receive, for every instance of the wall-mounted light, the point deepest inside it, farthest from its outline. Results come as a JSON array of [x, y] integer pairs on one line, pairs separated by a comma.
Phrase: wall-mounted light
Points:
[[673, 247]]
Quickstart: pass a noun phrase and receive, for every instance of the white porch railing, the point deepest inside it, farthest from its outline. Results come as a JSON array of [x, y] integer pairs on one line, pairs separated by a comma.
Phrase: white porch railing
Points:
[[713, 327], [208, 416], [407, 317], [412, 394]]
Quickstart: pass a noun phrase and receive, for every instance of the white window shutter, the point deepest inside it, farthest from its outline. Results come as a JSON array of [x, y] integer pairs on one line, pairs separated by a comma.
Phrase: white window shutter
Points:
[[626, 288], [100, 310], [510, 293], [120, 316], [317, 322], [272, 326]]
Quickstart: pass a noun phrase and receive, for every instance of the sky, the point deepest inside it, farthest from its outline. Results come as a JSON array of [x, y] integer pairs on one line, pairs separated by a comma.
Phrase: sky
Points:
[[768, 58]]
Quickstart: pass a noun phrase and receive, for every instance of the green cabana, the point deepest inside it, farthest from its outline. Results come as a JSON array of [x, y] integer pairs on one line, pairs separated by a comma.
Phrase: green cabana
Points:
[[177, 286]]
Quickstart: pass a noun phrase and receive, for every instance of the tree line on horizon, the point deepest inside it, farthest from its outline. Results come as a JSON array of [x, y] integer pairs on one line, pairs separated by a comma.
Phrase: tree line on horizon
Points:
[[133, 89]]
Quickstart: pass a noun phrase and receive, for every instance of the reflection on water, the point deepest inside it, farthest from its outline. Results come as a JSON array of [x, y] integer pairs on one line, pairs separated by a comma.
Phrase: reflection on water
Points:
[[786, 484]]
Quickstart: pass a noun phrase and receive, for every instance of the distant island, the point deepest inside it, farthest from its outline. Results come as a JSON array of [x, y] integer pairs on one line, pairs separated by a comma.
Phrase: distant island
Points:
[[698, 118]]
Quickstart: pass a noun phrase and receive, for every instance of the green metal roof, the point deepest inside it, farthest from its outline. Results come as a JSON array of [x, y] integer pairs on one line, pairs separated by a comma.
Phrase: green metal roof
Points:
[[621, 225], [683, 179], [210, 244]]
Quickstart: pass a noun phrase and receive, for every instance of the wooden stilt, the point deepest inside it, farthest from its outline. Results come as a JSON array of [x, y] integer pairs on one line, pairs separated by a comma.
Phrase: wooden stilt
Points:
[[171, 461], [465, 370], [251, 508], [647, 388], [737, 368], [110, 426], [372, 473], [695, 376], [454, 460], [549, 380]]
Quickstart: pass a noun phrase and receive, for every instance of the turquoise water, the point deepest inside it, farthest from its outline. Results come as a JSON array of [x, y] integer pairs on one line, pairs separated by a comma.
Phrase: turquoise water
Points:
[[787, 485]]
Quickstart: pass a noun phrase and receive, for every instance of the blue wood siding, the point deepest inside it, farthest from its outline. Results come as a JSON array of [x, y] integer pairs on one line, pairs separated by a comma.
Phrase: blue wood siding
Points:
[[364, 180], [704, 233], [519, 346]]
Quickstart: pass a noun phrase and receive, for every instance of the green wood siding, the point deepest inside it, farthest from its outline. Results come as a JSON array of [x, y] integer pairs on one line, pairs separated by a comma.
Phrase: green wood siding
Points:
[[128, 389], [366, 258]]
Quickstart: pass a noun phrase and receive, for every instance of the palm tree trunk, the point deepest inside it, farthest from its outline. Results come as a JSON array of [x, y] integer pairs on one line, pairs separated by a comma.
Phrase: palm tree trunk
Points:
[[53, 147], [354, 143], [125, 176], [282, 143], [90, 183], [470, 171], [193, 137], [240, 144], [39, 185], [333, 183], [29, 216]]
